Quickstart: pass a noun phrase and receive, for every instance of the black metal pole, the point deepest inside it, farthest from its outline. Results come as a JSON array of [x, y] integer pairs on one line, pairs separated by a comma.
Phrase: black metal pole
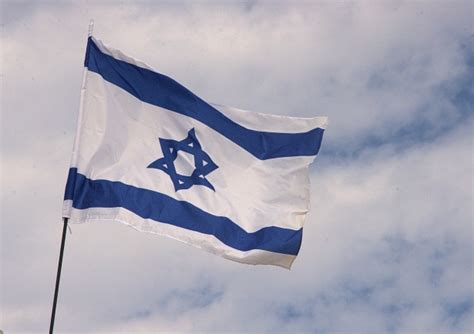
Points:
[[58, 277]]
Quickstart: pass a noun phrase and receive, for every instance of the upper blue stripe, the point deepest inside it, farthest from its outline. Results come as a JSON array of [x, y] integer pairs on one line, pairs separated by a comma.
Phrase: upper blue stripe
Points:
[[162, 91], [148, 204]]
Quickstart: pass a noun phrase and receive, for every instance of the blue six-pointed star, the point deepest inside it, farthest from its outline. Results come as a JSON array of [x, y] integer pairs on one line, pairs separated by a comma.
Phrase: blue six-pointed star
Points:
[[203, 163]]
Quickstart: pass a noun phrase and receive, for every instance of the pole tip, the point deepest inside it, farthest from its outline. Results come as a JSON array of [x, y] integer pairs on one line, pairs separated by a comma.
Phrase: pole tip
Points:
[[91, 26]]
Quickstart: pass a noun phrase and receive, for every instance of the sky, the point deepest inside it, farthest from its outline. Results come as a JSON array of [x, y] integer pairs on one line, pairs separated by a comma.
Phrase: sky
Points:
[[388, 243]]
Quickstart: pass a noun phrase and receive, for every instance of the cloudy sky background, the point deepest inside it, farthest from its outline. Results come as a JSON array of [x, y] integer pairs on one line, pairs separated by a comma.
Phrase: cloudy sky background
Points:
[[388, 245]]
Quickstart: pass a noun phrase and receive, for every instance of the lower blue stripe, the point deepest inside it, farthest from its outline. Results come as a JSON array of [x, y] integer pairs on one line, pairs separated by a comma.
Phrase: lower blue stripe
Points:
[[86, 193], [162, 91]]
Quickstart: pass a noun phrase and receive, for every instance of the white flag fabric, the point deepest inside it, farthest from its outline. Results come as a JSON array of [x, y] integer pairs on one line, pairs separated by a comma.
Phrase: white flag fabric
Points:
[[152, 155]]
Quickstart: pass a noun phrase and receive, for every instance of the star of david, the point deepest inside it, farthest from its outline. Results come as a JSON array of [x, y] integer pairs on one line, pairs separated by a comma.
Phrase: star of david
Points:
[[203, 163]]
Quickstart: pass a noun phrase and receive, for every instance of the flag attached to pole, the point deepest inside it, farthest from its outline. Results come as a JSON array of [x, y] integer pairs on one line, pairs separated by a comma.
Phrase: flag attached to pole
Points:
[[152, 155]]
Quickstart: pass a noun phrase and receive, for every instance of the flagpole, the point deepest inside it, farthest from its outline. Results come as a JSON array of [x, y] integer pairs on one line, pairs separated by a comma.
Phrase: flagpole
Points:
[[58, 276], [66, 219]]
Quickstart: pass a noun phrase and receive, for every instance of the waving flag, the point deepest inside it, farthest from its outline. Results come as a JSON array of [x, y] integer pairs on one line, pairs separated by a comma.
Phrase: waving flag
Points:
[[152, 155]]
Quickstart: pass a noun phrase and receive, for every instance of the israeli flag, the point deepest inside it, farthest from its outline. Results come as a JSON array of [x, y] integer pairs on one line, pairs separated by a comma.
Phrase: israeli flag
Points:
[[152, 155]]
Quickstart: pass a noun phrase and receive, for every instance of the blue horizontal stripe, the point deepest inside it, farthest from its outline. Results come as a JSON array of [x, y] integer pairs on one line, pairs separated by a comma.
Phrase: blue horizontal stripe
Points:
[[86, 193], [162, 91]]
